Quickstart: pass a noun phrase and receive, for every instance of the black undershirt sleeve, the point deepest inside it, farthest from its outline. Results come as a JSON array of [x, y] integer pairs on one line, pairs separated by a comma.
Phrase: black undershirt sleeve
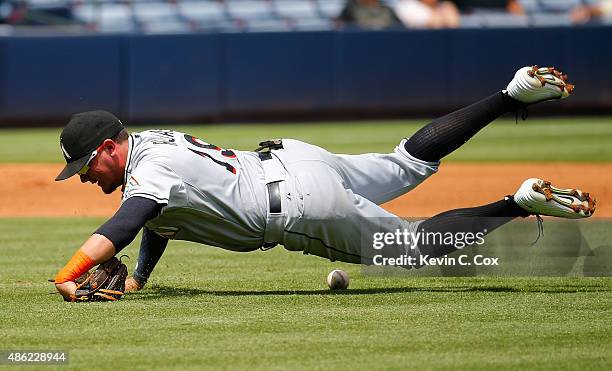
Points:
[[152, 248], [123, 227]]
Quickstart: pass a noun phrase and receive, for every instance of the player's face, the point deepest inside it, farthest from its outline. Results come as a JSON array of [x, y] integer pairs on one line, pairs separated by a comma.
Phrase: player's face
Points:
[[104, 169]]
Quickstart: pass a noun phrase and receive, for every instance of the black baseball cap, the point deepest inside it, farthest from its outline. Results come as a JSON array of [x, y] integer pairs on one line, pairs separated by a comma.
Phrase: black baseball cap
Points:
[[84, 133]]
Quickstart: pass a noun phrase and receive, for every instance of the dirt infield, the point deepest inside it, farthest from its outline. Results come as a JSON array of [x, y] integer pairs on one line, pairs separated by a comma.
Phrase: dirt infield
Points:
[[29, 189]]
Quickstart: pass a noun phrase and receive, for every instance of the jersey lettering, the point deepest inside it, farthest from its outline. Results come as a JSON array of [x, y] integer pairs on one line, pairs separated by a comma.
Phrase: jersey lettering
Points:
[[229, 167], [164, 137], [216, 150]]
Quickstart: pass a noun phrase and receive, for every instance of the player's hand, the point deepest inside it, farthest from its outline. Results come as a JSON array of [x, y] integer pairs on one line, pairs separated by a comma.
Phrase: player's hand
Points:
[[67, 289], [132, 285]]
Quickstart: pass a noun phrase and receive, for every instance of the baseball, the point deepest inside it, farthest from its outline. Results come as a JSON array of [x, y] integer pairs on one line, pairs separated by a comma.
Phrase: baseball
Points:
[[337, 280]]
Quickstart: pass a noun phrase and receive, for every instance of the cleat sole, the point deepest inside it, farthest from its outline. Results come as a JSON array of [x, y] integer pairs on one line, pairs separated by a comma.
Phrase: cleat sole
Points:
[[585, 205], [549, 75]]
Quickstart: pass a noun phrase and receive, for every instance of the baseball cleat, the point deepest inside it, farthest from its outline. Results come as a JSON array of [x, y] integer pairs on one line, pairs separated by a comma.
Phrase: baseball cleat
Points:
[[538, 84], [539, 197]]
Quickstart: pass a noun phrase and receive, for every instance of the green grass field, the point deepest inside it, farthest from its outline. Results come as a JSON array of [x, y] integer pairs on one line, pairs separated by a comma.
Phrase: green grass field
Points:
[[206, 308], [580, 139]]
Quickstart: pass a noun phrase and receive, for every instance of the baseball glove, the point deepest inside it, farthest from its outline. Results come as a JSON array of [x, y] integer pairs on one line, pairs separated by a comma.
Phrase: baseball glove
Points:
[[106, 283]]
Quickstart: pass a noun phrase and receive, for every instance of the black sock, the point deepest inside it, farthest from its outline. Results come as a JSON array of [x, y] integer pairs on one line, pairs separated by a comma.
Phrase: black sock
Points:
[[445, 134], [481, 219]]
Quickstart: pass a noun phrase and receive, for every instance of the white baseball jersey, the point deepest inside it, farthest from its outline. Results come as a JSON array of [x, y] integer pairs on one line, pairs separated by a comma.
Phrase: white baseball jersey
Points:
[[219, 197], [211, 195]]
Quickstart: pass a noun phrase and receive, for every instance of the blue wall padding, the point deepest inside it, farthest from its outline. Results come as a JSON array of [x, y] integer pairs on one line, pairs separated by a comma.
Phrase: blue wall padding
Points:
[[391, 69], [283, 72], [187, 78], [47, 77], [173, 77]]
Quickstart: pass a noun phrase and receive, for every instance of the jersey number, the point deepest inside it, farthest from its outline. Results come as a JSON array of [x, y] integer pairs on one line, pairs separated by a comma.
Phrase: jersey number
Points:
[[216, 150]]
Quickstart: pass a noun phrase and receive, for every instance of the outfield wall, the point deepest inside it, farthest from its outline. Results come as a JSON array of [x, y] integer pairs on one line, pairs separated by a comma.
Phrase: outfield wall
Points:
[[214, 77]]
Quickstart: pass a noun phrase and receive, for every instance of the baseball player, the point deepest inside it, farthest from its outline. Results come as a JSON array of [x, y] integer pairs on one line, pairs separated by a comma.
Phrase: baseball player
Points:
[[177, 186]]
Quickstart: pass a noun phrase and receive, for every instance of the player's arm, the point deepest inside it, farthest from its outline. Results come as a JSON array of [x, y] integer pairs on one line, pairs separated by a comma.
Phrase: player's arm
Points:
[[152, 247], [108, 240]]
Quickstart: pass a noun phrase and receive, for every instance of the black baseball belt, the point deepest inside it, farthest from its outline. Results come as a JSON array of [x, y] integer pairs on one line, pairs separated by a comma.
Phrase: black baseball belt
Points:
[[274, 195], [274, 176]]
